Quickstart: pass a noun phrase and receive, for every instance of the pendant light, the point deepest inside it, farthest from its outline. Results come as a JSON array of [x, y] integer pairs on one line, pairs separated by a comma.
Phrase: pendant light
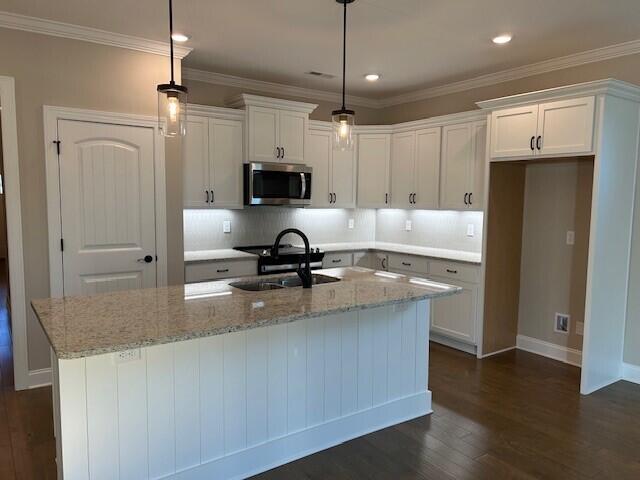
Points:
[[344, 119], [172, 98]]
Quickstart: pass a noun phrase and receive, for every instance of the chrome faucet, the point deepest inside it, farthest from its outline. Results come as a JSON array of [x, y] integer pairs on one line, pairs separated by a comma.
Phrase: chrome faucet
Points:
[[303, 272]]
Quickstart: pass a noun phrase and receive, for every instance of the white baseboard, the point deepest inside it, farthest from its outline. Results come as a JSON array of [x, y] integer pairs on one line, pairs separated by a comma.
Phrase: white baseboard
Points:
[[279, 451], [549, 350], [39, 378], [449, 342], [497, 352], [631, 373]]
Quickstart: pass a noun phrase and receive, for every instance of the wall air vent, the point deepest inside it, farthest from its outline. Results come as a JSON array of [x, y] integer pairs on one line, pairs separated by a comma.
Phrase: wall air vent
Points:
[[327, 76]]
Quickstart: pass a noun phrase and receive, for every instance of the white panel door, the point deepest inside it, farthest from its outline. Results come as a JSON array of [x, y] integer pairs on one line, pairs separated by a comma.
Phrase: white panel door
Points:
[[196, 163], [374, 154], [225, 163], [107, 207], [427, 170], [455, 316], [343, 177], [478, 165], [318, 157], [566, 126], [513, 132], [263, 134], [457, 156], [292, 133], [403, 162]]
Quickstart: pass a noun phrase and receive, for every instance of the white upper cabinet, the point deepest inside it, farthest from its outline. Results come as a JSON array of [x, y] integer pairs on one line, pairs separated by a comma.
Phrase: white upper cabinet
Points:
[[276, 129], [403, 165], [333, 183], [213, 156], [462, 166], [374, 155], [196, 163], [563, 127]]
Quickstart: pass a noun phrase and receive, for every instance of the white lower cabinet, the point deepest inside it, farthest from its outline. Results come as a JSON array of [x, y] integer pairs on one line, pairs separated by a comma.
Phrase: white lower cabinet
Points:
[[455, 316], [219, 269], [333, 260], [374, 260]]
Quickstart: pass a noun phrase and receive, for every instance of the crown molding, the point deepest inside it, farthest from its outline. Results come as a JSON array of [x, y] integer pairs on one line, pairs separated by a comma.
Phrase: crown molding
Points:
[[88, 34], [248, 100], [546, 66], [275, 88]]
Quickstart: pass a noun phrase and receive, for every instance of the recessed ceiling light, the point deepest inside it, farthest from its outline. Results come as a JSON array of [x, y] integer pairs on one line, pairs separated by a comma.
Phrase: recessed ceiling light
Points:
[[372, 77], [502, 39], [179, 37]]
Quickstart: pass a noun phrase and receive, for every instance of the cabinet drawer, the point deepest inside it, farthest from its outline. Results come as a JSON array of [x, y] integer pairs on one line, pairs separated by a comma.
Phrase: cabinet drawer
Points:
[[407, 263], [455, 271], [204, 271], [332, 260]]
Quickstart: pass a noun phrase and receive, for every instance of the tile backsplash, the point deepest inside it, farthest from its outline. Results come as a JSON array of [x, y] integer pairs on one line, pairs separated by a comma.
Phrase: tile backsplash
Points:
[[203, 229]]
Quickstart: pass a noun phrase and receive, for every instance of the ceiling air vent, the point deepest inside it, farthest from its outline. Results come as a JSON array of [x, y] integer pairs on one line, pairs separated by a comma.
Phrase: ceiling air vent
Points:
[[327, 76]]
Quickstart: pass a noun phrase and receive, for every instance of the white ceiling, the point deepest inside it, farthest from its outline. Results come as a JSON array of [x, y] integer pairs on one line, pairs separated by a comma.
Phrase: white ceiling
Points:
[[412, 44]]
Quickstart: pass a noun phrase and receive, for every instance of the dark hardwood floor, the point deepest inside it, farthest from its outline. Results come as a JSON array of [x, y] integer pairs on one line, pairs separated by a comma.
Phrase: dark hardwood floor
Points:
[[514, 416]]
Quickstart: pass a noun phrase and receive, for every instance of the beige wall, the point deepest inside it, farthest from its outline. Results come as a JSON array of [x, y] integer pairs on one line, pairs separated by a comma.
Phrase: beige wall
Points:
[[217, 95], [623, 68], [552, 273], [61, 72]]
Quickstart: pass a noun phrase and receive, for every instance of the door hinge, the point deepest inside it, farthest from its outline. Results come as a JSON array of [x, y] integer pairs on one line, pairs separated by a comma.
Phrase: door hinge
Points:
[[62, 245], [57, 142]]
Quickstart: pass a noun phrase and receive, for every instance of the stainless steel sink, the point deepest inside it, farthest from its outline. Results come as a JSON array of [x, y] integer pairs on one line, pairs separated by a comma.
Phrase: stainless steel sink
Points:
[[277, 283]]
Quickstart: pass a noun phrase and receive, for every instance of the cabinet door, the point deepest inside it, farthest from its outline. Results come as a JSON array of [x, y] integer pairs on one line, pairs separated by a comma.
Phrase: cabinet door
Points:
[[403, 162], [455, 316], [292, 133], [512, 130], [427, 175], [196, 163], [478, 165], [263, 134], [457, 156], [225, 163], [318, 157], [374, 153], [343, 177], [566, 126]]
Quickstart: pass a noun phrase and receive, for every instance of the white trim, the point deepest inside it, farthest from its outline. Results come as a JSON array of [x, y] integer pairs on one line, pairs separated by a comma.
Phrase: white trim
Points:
[[51, 117], [549, 350], [497, 352], [546, 66], [14, 233], [216, 112], [631, 373], [40, 378], [275, 88], [88, 34], [453, 343], [248, 100]]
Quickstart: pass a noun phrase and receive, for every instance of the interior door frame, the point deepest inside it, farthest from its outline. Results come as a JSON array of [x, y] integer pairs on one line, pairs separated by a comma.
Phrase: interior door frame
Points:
[[54, 114]]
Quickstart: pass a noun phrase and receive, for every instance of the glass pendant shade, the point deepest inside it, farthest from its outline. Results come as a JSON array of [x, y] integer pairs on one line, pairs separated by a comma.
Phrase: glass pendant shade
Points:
[[172, 109], [343, 121]]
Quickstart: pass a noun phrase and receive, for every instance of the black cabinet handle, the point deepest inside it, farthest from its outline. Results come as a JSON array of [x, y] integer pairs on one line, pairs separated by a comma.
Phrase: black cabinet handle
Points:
[[283, 154], [386, 198], [384, 263], [212, 197], [335, 198], [207, 192], [145, 259], [337, 260], [471, 199], [222, 270], [278, 155], [465, 199], [451, 271], [406, 264], [531, 143], [414, 198], [538, 146]]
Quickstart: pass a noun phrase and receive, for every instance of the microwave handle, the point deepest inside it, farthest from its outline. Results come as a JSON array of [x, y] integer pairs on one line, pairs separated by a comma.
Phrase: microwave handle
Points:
[[303, 179]]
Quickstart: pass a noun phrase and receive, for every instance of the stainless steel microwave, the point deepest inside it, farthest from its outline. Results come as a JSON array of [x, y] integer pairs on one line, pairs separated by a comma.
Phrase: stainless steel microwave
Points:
[[277, 184]]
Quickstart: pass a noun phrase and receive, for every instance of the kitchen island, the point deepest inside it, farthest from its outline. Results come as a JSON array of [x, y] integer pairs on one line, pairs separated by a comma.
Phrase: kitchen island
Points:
[[211, 381]]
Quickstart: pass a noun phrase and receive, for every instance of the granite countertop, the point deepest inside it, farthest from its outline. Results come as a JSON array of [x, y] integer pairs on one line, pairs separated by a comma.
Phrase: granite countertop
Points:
[[436, 253], [84, 326]]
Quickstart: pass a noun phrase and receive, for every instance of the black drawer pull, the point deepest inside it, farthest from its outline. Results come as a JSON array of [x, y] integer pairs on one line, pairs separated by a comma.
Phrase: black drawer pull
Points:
[[451, 271], [222, 270], [337, 260], [406, 264]]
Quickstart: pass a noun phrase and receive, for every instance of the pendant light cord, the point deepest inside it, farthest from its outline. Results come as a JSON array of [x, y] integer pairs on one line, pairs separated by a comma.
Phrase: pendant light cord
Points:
[[171, 37], [344, 54]]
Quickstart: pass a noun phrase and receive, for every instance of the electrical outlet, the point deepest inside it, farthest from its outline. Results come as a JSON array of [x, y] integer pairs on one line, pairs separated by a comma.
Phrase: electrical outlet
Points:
[[571, 237], [408, 225], [470, 230], [351, 224], [127, 356], [226, 226], [561, 323], [579, 328]]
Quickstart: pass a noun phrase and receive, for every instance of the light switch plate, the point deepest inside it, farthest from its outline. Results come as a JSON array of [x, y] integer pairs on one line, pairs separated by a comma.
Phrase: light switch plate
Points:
[[571, 237], [470, 230], [408, 225], [352, 223], [226, 226]]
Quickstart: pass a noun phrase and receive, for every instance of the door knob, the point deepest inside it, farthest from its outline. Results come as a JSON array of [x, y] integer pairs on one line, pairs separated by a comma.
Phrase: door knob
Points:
[[146, 259]]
